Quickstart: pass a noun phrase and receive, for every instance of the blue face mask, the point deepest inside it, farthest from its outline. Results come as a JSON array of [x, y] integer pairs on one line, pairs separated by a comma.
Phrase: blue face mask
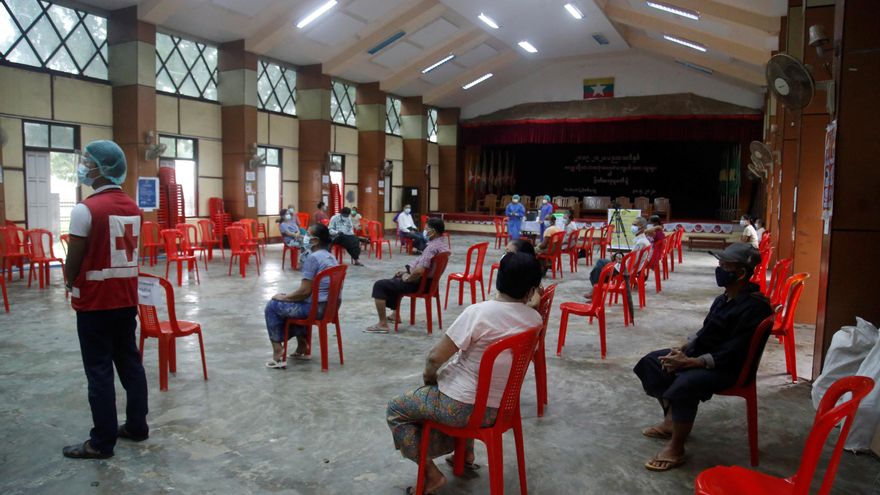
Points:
[[723, 277], [82, 174], [287, 217]]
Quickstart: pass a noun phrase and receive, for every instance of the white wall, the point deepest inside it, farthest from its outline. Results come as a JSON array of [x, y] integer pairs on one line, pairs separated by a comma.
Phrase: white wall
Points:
[[635, 74]]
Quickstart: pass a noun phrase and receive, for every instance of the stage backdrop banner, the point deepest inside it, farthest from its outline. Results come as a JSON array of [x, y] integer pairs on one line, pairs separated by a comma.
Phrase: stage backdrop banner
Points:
[[686, 173]]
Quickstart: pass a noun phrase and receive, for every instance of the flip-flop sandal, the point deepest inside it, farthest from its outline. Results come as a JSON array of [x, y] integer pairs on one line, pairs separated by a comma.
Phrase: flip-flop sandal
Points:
[[276, 365], [470, 466], [81, 452], [670, 464], [654, 432], [375, 329]]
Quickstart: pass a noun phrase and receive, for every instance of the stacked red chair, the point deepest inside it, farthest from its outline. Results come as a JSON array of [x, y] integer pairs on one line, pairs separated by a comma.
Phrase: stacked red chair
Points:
[[336, 277], [167, 332], [219, 217], [470, 276]]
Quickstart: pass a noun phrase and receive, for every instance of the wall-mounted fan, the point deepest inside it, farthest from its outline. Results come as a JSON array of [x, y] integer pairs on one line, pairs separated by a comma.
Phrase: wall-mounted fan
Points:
[[762, 160], [790, 81], [154, 150]]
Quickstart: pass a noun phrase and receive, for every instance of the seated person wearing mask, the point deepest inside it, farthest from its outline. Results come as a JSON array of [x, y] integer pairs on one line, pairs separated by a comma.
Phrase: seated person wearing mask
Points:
[[749, 235], [291, 233], [320, 214], [406, 229], [640, 241], [759, 229], [710, 361], [342, 233], [387, 292], [448, 394], [298, 303]]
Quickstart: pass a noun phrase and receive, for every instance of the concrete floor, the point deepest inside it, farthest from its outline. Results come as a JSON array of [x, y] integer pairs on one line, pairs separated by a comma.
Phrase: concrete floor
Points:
[[253, 430]]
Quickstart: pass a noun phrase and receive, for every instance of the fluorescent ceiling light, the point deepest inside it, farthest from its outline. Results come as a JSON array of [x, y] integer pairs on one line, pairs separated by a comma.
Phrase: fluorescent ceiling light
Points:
[[574, 11], [305, 21], [525, 45], [684, 42], [477, 81], [438, 63], [488, 20], [690, 14]]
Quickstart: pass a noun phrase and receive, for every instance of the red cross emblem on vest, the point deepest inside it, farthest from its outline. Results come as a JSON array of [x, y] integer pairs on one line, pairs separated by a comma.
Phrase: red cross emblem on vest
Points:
[[127, 242]]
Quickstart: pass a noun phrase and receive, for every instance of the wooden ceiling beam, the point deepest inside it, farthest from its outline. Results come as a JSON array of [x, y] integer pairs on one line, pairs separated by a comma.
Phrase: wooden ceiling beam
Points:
[[158, 11], [494, 64], [767, 24]]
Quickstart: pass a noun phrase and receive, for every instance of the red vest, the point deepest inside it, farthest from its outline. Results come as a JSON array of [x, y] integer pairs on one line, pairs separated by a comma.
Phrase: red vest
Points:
[[108, 278]]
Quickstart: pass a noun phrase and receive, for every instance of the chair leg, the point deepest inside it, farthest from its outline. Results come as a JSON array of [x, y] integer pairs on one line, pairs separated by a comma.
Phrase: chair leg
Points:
[[339, 341], [601, 318], [284, 343], [482, 288], [428, 311], [179, 273], [423, 460], [448, 283], [473, 284], [439, 313], [563, 327], [496, 465], [322, 339], [540, 379], [752, 417], [790, 352], [520, 457], [202, 349], [163, 364], [460, 292]]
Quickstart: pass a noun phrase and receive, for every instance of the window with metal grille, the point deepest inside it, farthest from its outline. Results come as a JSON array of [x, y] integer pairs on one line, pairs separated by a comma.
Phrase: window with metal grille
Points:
[[269, 181], [342, 108], [276, 88], [432, 125], [40, 34], [392, 115], [186, 67]]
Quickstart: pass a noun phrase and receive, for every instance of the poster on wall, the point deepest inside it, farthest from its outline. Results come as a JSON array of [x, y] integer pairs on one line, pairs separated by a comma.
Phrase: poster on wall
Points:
[[251, 201], [623, 238], [602, 87], [148, 193], [828, 184]]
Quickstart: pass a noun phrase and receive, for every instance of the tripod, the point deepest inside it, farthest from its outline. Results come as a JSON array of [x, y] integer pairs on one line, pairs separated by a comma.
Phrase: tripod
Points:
[[619, 231]]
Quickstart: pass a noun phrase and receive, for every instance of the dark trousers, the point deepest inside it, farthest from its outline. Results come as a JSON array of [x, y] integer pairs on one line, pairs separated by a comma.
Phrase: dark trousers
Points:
[[350, 243], [391, 290], [683, 390], [418, 240], [107, 338]]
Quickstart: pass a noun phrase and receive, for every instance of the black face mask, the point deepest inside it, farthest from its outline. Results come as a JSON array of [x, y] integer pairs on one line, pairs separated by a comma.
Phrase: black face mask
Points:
[[723, 277]]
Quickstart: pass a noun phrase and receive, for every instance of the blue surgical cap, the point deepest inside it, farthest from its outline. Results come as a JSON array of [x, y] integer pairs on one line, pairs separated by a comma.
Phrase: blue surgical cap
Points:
[[109, 158], [516, 197], [547, 197]]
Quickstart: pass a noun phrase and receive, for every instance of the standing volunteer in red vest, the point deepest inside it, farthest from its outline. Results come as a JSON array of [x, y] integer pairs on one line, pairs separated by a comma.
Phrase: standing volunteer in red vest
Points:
[[102, 267]]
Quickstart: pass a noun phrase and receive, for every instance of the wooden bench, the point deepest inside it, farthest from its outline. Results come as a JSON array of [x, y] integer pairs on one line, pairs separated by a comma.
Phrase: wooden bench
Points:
[[706, 241]]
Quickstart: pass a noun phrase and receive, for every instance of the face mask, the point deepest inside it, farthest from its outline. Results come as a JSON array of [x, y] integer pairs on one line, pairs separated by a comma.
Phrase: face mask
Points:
[[425, 233], [287, 217], [544, 202], [515, 201], [82, 173], [724, 278], [634, 229], [743, 222]]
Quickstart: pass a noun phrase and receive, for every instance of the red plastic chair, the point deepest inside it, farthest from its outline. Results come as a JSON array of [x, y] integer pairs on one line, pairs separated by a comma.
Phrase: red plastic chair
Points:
[[294, 256], [784, 325], [492, 269], [745, 384], [764, 241], [500, 232], [553, 253], [759, 276], [678, 239], [522, 348], [150, 242], [469, 276], [540, 359], [778, 278], [657, 268], [304, 220], [166, 331], [617, 288], [571, 248], [587, 243], [5, 296], [239, 249], [14, 249], [641, 267], [262, 235], [251, 239], [594, 309], [190, 242], [377, 239], [731, 480], [40, 257], [604, 240], [207, 229], [64, 240], [336, 275], [176, 252], [438, 266]]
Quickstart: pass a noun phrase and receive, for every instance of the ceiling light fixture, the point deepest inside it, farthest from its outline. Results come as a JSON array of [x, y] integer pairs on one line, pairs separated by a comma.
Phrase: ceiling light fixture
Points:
[[574, 11], [488, 20], [305, 21], [690, 14], [438, 63], [477, 81], [681, 41], [525, 45], [696, 67]]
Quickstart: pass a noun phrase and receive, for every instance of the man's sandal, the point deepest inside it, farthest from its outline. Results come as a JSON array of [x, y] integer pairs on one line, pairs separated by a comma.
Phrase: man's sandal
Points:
[[470, 466], [276, 365], [654, 432], [651, 465], [83, 452]]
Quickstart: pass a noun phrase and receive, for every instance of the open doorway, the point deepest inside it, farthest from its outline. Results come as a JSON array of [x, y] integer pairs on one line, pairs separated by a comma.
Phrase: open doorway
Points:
[[337, 181]]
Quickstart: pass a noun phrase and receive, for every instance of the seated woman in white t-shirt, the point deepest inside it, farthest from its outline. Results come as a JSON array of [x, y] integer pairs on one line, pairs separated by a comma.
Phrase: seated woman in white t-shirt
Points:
[[749, 235], [453, 364]]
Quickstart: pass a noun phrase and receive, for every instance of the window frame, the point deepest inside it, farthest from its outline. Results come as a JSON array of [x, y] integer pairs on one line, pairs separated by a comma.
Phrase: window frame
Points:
[[388, 190], [194, 159], [262, 151], [262, 64], [389, 106], [77, 145], [345, 86], [162, 65], [43, 67], [431, 120]]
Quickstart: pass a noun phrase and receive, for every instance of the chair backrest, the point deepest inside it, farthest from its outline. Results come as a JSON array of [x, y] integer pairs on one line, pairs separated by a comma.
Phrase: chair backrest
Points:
[[587, 238], [303, 219], [794, 289], [623, 201], [36, 245], [434, 274], [206, 228], [661, 204], [522, 347], [756, 350], [64, 239], [642, 203], [477, 253], [236, 236], [150, 233], [525, 200], [828, 415], [572, 243], [374, 231], [609, 231], [173, 239], [498, 222], [506, 199], [336, 276], [764, 241], [554, 244], [600, 290], [760, 274], [545, 306], [778, 278], [148, 313], [16, 239], [637, 261], [250, 226], [190, 237]]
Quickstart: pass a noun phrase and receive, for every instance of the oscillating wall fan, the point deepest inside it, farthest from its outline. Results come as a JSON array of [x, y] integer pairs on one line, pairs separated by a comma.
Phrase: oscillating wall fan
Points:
[[790, 81]]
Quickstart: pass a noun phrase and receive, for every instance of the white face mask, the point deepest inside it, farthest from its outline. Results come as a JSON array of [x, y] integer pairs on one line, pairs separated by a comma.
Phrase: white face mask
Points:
[[544, 201], [743, 222], [407, 210], [515, 201], [634, 229]]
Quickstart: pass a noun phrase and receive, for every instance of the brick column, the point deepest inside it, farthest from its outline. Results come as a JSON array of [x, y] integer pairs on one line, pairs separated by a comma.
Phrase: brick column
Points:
[[371, 150], [313, 110], [451, 183], [414, 129], [132, 58], [237, 93]]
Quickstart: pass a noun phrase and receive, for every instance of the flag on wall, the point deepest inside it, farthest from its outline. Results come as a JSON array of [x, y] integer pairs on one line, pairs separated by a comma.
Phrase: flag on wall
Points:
[[602, 87]]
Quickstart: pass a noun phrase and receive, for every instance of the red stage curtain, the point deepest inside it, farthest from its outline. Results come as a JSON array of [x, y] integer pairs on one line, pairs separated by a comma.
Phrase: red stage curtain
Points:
[[706, 128]]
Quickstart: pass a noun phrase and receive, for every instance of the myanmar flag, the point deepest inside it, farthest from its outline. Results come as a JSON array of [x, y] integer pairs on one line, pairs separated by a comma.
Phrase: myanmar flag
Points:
[[599, 88]]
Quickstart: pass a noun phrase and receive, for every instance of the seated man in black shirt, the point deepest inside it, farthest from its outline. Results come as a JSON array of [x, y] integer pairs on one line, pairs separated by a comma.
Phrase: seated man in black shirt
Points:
[[710, 361]]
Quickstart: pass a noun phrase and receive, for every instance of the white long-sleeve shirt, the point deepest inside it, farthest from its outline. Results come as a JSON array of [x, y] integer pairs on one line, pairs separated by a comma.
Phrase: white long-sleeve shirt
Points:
[[405, 222]]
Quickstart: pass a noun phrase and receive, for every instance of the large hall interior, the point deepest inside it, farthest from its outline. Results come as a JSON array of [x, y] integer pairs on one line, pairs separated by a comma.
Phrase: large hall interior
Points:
[[439, 246]]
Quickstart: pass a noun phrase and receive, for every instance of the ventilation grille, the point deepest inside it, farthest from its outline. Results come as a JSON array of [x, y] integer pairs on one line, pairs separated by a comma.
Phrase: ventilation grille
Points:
[[601, 39]]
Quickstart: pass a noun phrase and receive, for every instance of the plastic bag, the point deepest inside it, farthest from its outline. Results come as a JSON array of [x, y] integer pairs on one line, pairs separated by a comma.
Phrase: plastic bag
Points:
[[868, 416], [849, 348]]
